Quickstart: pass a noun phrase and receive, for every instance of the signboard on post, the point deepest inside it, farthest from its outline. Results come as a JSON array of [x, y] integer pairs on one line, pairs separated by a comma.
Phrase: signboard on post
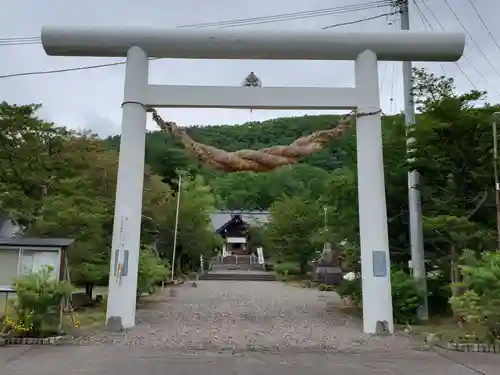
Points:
[[260, 255], [379, 263]]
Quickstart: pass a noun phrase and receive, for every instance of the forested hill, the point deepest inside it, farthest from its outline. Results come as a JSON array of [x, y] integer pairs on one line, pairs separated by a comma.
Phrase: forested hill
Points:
[[249, 190]]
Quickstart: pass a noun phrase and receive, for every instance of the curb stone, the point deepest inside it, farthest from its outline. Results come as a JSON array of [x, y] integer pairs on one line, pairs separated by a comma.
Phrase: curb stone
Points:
[[477, 348], [56, 340]]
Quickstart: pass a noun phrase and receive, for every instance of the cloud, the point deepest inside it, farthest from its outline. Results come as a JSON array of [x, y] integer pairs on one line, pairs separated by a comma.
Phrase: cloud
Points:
[[101, 125]]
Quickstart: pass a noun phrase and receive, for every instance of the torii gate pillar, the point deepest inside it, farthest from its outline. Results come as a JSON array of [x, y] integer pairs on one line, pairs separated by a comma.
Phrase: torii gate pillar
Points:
[[122, 287], [139, 43]]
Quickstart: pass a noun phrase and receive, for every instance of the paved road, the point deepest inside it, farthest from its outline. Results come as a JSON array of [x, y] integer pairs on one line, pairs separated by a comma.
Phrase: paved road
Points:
[[93, 360], [240, 328]]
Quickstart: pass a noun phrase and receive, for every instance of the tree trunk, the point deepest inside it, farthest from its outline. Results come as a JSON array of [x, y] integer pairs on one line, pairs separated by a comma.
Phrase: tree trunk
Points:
[[455, 272], [89, 288], [303, 268]]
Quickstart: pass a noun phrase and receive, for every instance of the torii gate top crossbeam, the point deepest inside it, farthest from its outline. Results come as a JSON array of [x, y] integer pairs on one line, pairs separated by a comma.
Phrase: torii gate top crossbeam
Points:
[[252, 44]]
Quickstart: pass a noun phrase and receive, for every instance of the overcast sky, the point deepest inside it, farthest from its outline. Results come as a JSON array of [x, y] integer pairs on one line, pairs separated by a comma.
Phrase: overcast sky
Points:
[[91, 99]]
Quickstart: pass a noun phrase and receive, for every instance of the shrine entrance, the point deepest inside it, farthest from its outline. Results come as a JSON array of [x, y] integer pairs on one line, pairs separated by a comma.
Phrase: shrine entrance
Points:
[[139, 44]]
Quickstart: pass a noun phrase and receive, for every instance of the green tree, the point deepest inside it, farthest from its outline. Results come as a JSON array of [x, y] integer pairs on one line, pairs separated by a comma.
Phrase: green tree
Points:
[[340, 198], [39, 296], [27, 148], [453, 150], [80, 216], [256, 237], [151, 271], [79, 205], [480, 304], [258, 191], [195, 236], [289, 232]]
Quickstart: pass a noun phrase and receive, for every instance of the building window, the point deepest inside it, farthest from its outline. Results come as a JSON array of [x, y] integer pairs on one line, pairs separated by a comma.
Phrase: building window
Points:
[[32, 261], [8, 266]]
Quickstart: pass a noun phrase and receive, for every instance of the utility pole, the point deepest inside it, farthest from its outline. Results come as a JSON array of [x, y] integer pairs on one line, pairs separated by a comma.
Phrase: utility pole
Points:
[[325, 209], [414, 202], [176, 224], [496, 117]]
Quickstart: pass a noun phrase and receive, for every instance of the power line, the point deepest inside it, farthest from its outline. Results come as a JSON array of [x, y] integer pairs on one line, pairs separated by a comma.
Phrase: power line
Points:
[[22, 38], [60, 70], [464, 56], [471, 38], [484, 24], [425, 22], [88, 67], [393, 21], [307, 16], [394, 78], [247, 21], [295, 15], [358, 21], [19, 41], [382, 80]]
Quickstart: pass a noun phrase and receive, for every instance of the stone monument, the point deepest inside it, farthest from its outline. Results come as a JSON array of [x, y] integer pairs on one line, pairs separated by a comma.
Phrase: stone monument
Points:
[[328, 270]]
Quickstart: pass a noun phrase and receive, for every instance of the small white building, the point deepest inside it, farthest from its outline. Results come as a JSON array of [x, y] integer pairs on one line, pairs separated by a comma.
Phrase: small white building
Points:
[[21, 255]]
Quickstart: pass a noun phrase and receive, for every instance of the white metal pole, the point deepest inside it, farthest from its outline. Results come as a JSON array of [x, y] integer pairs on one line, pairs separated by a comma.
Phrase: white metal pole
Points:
[[414, 201], [128, 207], [496, 116], [325, 209], [176, 224], [375, 261]]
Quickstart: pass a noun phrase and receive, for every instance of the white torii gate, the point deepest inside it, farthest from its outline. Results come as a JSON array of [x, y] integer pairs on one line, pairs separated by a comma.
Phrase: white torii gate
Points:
[[139, 44]]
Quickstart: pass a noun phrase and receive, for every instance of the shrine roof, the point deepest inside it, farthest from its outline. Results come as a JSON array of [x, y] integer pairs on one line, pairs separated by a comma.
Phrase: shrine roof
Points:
[[220, 218]]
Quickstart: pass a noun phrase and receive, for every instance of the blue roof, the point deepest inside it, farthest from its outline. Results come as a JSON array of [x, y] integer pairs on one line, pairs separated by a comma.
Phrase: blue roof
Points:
[[219, 218]]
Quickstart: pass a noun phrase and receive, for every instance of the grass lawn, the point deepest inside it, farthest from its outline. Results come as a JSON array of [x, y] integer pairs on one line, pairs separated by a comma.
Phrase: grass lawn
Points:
[[441, 331], [88, 320], [98, 290], [92, 318], [102, 290], [445, 329]]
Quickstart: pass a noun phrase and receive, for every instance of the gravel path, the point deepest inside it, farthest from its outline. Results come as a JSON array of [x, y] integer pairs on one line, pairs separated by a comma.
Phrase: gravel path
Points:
[[236, 316]]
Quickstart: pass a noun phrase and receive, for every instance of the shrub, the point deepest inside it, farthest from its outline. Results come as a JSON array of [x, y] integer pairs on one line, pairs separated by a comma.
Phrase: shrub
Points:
[[479, 306], [269, 267], [39, 296], [151, 271], [405, 295], [326, 287], [287, 269], [351, 289], [438, 294], [406, 298]]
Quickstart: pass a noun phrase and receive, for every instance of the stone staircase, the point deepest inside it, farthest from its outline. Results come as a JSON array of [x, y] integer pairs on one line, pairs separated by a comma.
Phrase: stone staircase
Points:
[[239, 276], [237, 268], [241, 267]]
